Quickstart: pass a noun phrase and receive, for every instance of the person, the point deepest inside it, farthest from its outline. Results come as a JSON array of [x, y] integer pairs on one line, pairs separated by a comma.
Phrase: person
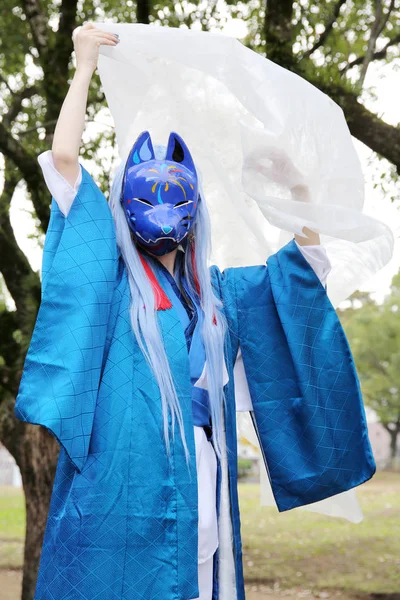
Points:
[[136, 334]]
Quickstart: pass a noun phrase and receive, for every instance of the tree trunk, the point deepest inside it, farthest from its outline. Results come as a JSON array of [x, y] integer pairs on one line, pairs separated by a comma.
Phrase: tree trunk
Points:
[[143, 11], [278, 32], [35, 451], [38, 459], [366, 126], [394, 459], [34, 448]]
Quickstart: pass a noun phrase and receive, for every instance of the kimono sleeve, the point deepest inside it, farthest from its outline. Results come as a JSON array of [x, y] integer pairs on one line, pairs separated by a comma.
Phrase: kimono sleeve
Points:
[[308, 411], [63, 365]]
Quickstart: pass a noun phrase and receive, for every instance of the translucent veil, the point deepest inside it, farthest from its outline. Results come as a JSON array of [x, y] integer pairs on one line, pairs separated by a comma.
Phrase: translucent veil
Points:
[[235, 109]]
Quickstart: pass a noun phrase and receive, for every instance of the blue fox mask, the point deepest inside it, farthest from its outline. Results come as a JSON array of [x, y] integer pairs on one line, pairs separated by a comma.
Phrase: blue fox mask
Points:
[[160, 197]]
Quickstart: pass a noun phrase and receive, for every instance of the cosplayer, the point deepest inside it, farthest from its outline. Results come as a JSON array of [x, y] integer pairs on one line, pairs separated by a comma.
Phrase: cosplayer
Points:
[[140, 357]]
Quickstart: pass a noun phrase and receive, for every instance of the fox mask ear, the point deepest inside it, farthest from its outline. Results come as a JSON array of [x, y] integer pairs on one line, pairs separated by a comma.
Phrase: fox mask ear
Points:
[[142, 150], [177, 151]]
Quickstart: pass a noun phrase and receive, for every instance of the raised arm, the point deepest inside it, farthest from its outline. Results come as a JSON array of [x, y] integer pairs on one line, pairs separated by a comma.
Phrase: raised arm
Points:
[[71, 121], [79, 274]]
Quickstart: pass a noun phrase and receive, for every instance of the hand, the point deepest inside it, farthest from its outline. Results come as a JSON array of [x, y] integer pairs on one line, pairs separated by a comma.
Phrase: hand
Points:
[[87, 41]]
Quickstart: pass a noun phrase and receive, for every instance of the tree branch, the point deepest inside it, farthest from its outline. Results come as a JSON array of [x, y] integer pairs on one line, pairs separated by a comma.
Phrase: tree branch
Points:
[[386, 16], [366, 126], [21, 281], [30, 171], [328, 28], [375, 30], [278, 31], [4, 80], [67, 18], [381, 54], [382, 138], [10, 350], [16, 104], [388, 426], [61, 53], [38, 24], [56, 63], [143, 11]]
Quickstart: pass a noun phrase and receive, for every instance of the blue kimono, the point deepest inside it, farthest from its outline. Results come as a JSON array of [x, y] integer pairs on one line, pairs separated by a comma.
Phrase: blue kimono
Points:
[[122, 524]]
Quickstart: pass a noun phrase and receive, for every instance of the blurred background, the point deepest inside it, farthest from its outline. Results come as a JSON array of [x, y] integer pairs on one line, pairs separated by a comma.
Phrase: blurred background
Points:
[[348, 49]]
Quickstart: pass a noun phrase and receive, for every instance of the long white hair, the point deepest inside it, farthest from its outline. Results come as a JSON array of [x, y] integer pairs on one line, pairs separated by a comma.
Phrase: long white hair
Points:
[[144, 322]]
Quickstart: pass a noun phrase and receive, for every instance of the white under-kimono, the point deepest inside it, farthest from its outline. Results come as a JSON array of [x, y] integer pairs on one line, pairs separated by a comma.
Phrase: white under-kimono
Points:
[[206, 460]]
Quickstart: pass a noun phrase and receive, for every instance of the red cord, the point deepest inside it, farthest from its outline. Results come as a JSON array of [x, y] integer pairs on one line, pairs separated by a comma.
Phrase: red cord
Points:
[[195, 276], [161, 300]]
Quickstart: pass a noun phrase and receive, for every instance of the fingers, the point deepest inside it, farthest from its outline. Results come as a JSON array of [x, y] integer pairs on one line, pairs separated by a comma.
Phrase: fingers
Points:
[[101, 37], [108, 39], [90, 30], [104, 35], [75, 31], [85, 27], [102, 42]]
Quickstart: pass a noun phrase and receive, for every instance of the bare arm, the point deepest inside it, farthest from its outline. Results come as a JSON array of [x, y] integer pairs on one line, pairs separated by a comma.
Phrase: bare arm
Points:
[[71, 121]]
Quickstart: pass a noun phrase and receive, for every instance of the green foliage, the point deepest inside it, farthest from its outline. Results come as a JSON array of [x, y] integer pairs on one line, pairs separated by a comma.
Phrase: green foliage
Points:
[[14, 41], [374, 335], [244, 467], [2, 295], [30, 103], [20, 64], [22, 67]]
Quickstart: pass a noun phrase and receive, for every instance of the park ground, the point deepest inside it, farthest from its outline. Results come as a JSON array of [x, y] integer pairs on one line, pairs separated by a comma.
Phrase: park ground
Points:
[[296, 554]]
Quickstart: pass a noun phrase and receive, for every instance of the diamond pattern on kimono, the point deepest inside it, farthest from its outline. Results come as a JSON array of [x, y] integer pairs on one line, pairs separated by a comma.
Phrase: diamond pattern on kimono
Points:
[[122, 522]]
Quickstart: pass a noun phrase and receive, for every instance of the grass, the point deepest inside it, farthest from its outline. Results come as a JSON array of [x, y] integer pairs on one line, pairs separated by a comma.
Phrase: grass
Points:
[[12, 527], [291, 549], [298, 548]]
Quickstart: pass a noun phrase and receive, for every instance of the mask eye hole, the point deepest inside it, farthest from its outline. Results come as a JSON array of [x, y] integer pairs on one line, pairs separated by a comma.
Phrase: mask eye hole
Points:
[[143, 201], [183, 203]]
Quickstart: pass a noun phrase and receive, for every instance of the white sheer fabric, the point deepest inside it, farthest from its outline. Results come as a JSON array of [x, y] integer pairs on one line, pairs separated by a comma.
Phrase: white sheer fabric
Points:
[[64, 194], [236, 110]]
